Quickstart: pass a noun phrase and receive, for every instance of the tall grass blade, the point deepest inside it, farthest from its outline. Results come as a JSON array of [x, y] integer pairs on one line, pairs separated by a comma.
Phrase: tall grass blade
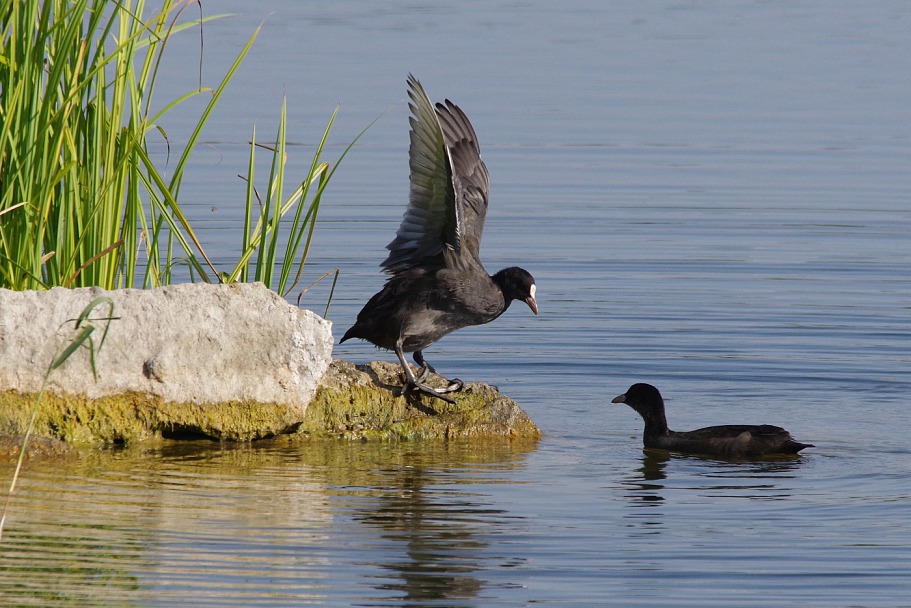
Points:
[[83, 329]]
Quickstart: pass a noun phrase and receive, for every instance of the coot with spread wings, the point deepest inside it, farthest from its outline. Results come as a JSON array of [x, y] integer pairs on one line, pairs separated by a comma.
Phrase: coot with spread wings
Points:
[[437, 283]]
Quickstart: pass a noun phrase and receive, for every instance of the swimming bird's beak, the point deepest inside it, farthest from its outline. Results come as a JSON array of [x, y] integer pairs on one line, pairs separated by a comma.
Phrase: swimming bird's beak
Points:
[[619, 399]]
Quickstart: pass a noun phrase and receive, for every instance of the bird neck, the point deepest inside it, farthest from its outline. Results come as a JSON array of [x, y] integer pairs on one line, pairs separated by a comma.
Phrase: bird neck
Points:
[[501, 280], [656, 424]]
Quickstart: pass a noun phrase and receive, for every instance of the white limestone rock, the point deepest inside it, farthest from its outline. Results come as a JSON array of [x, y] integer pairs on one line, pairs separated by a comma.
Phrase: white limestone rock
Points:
[[192, 343]]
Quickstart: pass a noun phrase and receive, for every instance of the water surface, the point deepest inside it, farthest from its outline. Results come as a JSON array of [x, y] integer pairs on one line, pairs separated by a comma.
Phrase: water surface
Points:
[[713, 197]]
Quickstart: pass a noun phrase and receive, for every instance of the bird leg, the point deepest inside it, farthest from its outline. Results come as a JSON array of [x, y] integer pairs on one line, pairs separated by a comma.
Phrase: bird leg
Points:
[[426, 369], [413, 383]]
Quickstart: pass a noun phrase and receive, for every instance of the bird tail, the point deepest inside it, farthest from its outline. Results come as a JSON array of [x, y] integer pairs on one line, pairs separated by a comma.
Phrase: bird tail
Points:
[[795, 446], [351, 333]]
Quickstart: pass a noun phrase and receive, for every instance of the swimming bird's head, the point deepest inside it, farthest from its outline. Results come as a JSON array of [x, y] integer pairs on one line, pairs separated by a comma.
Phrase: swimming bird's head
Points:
[[644, 398]]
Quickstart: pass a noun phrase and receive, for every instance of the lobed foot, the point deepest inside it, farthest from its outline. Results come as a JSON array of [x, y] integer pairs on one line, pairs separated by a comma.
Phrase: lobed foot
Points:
[[428, 390], [454, 385], [413, 382]]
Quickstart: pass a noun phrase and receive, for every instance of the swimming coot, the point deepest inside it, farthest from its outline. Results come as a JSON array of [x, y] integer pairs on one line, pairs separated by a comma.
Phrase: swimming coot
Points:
[[437, 282], [727, 440]]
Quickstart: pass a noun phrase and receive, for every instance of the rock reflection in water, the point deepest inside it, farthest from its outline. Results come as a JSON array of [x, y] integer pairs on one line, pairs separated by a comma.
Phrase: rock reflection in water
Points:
[[251, 524]]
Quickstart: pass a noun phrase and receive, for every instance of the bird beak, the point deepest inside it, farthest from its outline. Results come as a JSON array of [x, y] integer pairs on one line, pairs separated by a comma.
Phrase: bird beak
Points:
[[530, 300], [619, 399]]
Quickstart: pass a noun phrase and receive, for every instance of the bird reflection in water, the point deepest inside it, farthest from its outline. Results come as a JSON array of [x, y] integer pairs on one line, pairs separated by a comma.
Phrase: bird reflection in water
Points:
[[440, 532], [645, 492], [665, 478]]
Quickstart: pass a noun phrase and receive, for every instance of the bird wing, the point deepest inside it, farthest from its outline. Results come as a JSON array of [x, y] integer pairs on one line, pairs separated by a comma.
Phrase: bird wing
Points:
[[447, 201], [470, 180], [732, 439], [734, 430]]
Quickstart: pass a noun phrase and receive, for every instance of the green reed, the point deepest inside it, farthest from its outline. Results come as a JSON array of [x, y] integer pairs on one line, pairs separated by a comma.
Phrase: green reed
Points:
[[82, 336], [81, 201]]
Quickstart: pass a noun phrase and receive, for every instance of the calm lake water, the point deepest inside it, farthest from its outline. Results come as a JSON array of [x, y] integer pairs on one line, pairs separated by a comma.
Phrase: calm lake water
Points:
[[712, 196]]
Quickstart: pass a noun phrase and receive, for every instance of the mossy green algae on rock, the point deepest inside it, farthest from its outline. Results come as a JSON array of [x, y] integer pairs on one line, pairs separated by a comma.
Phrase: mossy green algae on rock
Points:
[[134, 417], [365, 402], [352, 402]]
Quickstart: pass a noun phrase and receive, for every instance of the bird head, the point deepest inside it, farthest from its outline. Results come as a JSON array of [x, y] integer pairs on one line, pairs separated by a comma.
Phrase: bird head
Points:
[[644, 398], [517, 284]]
